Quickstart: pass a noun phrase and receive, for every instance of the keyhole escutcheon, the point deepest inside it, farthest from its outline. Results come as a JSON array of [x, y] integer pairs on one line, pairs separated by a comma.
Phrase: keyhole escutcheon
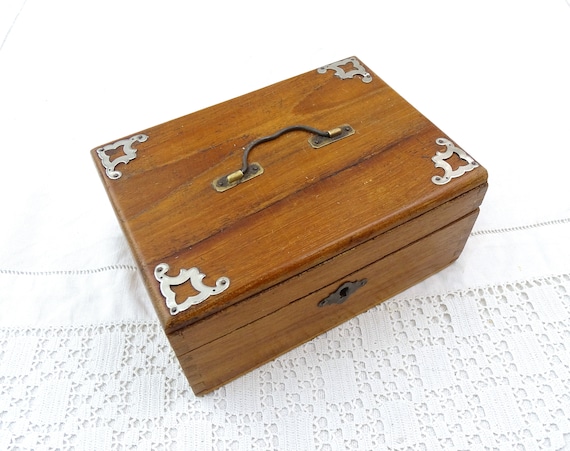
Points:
[[342, 293]]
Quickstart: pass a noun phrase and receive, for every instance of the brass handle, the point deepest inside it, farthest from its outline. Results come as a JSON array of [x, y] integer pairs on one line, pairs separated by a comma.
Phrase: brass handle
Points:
[[248, 171]]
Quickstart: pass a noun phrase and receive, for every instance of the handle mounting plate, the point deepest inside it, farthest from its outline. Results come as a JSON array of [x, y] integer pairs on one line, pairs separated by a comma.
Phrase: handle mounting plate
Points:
[[226, 182], [340, 132]]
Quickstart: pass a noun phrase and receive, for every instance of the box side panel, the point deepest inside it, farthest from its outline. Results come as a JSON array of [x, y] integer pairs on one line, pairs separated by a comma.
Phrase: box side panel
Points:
[[215, 363], [249, 310]]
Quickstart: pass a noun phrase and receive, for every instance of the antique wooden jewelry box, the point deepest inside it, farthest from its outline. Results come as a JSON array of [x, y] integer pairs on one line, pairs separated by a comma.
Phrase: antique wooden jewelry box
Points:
[[261, 222]]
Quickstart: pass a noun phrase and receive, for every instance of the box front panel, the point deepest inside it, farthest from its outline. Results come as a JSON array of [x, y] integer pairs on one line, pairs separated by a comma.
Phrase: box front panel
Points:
[[248, 347], [238, 315]]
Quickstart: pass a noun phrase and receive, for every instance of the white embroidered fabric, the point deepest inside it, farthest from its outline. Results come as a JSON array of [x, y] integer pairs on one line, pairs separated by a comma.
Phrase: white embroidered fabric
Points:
[[473, 369], [477, 357]]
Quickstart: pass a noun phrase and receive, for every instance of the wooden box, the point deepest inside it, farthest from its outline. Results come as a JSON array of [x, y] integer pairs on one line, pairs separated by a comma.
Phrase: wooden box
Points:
[[254, 233]]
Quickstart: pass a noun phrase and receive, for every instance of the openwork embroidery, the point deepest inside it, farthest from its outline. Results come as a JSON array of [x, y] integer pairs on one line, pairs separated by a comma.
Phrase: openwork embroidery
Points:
[[487, 365]]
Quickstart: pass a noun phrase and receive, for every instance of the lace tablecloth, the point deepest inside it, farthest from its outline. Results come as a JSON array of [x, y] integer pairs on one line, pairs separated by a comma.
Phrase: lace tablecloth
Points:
[[476, 357]]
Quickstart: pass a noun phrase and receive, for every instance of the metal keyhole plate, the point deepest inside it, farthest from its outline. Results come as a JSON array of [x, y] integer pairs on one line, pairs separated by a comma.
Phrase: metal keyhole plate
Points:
[[342, 293]]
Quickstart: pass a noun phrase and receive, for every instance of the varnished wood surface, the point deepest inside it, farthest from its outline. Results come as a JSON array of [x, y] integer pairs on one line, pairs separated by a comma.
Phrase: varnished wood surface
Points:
[[250, 346], [309, 205]]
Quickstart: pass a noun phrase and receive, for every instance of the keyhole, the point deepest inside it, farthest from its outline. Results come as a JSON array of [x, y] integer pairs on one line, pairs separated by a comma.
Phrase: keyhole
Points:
[[344, 292]]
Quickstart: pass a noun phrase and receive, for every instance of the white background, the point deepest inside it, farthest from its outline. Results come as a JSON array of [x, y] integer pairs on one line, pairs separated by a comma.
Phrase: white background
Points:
[[494, 75]]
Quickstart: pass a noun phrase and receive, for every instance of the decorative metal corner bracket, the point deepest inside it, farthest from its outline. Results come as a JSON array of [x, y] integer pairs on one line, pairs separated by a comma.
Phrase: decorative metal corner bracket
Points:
[[195, 277], [130, 153], [449, 172], [340, 72]]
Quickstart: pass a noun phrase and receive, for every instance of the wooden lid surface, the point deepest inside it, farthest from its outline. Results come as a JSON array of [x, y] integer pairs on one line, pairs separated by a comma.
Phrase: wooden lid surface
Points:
[[308, 205]]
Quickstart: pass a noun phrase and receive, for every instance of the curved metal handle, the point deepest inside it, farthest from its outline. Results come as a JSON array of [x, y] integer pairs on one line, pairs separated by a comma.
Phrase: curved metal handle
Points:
[[277, 134], [248, 171]]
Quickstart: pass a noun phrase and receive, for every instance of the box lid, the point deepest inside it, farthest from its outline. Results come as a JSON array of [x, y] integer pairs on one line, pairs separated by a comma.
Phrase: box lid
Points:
[[303, 203]]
